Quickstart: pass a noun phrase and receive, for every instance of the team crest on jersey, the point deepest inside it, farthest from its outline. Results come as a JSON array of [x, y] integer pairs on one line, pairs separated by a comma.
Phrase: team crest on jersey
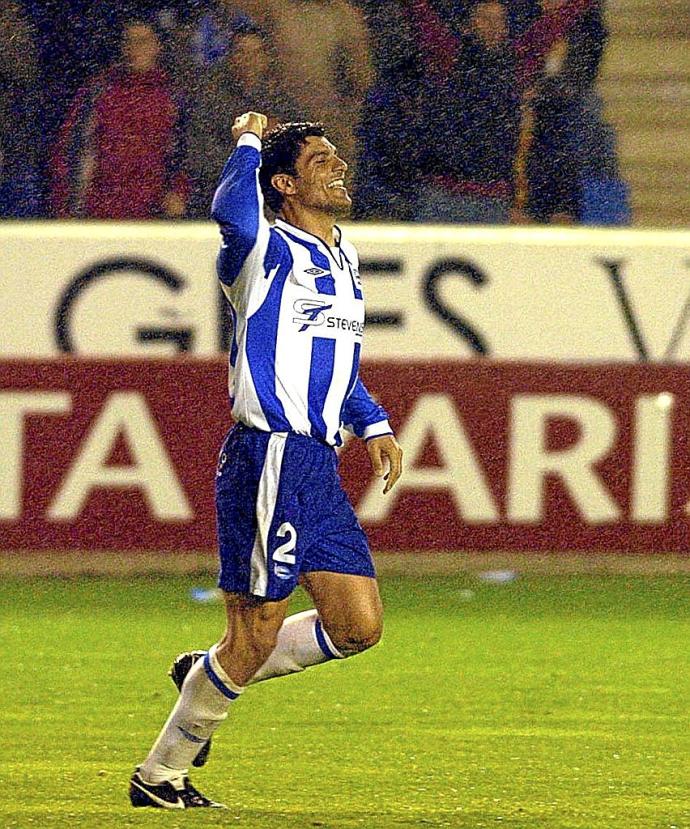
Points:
[[309, 312]]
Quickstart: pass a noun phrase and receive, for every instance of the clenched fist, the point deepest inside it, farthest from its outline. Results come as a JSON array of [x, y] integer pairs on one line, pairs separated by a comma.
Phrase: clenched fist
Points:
[[249, 122]]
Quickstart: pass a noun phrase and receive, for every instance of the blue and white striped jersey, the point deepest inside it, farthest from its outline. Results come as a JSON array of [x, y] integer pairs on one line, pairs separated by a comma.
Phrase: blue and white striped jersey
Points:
[[298, 316]]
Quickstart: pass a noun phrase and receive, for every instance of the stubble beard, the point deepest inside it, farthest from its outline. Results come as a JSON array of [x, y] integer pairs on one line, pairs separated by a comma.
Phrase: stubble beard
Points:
[[334, 209], [338, 210]]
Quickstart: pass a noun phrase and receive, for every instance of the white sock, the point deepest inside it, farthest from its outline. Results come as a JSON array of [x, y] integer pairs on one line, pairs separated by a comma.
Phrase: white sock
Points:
[[201, 707], [302, 642]]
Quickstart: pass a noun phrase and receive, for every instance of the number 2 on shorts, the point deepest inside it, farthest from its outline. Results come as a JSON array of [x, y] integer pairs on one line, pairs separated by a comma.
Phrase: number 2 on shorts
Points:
[[283, 555]]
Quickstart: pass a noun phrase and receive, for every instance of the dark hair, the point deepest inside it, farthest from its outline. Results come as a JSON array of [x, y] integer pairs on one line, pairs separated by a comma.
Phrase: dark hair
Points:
[[281, 147], [246, 29]]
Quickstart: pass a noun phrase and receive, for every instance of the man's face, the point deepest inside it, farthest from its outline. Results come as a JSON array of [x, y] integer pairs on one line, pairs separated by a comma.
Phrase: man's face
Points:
[[320, 180], [140, 47], [489, 24], [249, 59]]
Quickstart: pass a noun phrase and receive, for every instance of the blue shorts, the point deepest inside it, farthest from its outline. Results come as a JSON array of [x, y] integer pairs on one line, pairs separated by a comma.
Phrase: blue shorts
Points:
[[281, 511]]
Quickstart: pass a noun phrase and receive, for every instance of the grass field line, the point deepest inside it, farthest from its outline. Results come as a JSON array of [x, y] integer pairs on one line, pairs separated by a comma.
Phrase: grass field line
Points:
[[32, 563]]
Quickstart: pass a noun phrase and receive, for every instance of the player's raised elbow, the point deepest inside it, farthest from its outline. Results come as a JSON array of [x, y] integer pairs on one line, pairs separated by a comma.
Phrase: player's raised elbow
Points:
[[237, 214]]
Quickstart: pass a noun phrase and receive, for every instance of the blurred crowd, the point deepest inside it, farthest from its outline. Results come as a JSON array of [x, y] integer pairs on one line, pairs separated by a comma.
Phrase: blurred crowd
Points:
[[468, 111]]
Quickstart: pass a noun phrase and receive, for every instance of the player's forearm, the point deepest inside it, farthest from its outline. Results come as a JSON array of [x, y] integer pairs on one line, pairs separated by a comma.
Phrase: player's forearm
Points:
[[363, 416], [237, 202]]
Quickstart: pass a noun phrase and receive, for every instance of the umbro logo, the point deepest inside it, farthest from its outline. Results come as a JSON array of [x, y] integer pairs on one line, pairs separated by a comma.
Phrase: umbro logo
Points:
[[315, 271]]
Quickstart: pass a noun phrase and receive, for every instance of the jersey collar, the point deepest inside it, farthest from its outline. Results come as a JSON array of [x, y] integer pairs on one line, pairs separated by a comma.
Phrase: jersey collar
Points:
[[310, 237]]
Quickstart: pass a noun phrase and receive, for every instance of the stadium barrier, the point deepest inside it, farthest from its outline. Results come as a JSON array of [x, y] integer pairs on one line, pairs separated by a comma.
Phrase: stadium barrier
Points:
[[120, 455], [432, 292], [537, 379]]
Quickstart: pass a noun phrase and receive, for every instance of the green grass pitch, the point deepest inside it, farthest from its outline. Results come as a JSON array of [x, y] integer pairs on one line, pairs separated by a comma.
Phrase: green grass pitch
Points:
[[560, 702]]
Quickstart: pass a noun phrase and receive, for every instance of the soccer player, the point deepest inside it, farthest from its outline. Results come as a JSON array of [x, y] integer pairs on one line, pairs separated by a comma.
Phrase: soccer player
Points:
[[283, 517]]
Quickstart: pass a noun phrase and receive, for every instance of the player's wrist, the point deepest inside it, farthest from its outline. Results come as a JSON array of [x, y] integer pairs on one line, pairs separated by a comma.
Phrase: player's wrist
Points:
[[376, 437], [249, 139], [377, 430]]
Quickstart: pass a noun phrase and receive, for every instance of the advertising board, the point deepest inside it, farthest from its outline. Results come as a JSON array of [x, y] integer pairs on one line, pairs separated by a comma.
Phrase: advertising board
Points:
[[432, 292], [120, 455]]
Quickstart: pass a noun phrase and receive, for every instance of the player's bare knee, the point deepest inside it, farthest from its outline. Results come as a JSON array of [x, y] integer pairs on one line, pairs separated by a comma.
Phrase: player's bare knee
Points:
[[358, 638]]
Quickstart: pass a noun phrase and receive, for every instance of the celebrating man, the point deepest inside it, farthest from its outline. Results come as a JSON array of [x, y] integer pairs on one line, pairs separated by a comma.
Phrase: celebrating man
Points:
[[283, 517]]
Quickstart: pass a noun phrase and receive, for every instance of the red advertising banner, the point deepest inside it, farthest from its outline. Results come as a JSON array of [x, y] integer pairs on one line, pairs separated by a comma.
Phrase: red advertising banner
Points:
[[120, 455]]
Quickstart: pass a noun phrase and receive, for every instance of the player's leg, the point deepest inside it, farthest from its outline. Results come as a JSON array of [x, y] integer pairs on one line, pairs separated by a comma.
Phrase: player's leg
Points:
[[339, 576], [207, 692], [349, 607], [349, 613], [250, 636], [249, 479], [337, 571], [301, 643], [347, 619]]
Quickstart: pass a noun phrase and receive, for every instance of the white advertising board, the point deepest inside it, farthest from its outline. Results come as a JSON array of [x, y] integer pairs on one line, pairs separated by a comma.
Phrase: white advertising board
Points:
[[432, 292]]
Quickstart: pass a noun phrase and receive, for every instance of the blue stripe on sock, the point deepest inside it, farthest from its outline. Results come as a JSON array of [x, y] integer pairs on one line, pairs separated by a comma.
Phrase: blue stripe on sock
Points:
[[321, 639], [190, 736], [217, 681]]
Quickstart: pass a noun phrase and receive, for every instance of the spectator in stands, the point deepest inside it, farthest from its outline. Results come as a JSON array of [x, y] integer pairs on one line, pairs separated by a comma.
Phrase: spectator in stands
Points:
[[566, 143], [385, 181], [245, 79], [121, 150], [521, 13], [20, 137], [198, 36], [473, 101], [322, 49], [386, 177], [77, 39], [469, 147]]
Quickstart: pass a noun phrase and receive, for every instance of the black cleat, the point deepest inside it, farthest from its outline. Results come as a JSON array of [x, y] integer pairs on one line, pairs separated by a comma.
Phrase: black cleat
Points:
[[166, 796], [178, 671]]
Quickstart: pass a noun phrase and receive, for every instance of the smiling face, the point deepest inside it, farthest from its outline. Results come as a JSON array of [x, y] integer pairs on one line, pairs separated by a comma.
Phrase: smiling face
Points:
[[320, 181]]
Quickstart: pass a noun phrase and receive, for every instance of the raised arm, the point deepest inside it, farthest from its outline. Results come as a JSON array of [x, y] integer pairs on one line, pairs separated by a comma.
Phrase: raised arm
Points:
[[238, 204]]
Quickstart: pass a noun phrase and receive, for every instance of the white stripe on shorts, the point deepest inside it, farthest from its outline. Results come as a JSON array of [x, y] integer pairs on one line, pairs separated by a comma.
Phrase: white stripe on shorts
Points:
[[265, 506]]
